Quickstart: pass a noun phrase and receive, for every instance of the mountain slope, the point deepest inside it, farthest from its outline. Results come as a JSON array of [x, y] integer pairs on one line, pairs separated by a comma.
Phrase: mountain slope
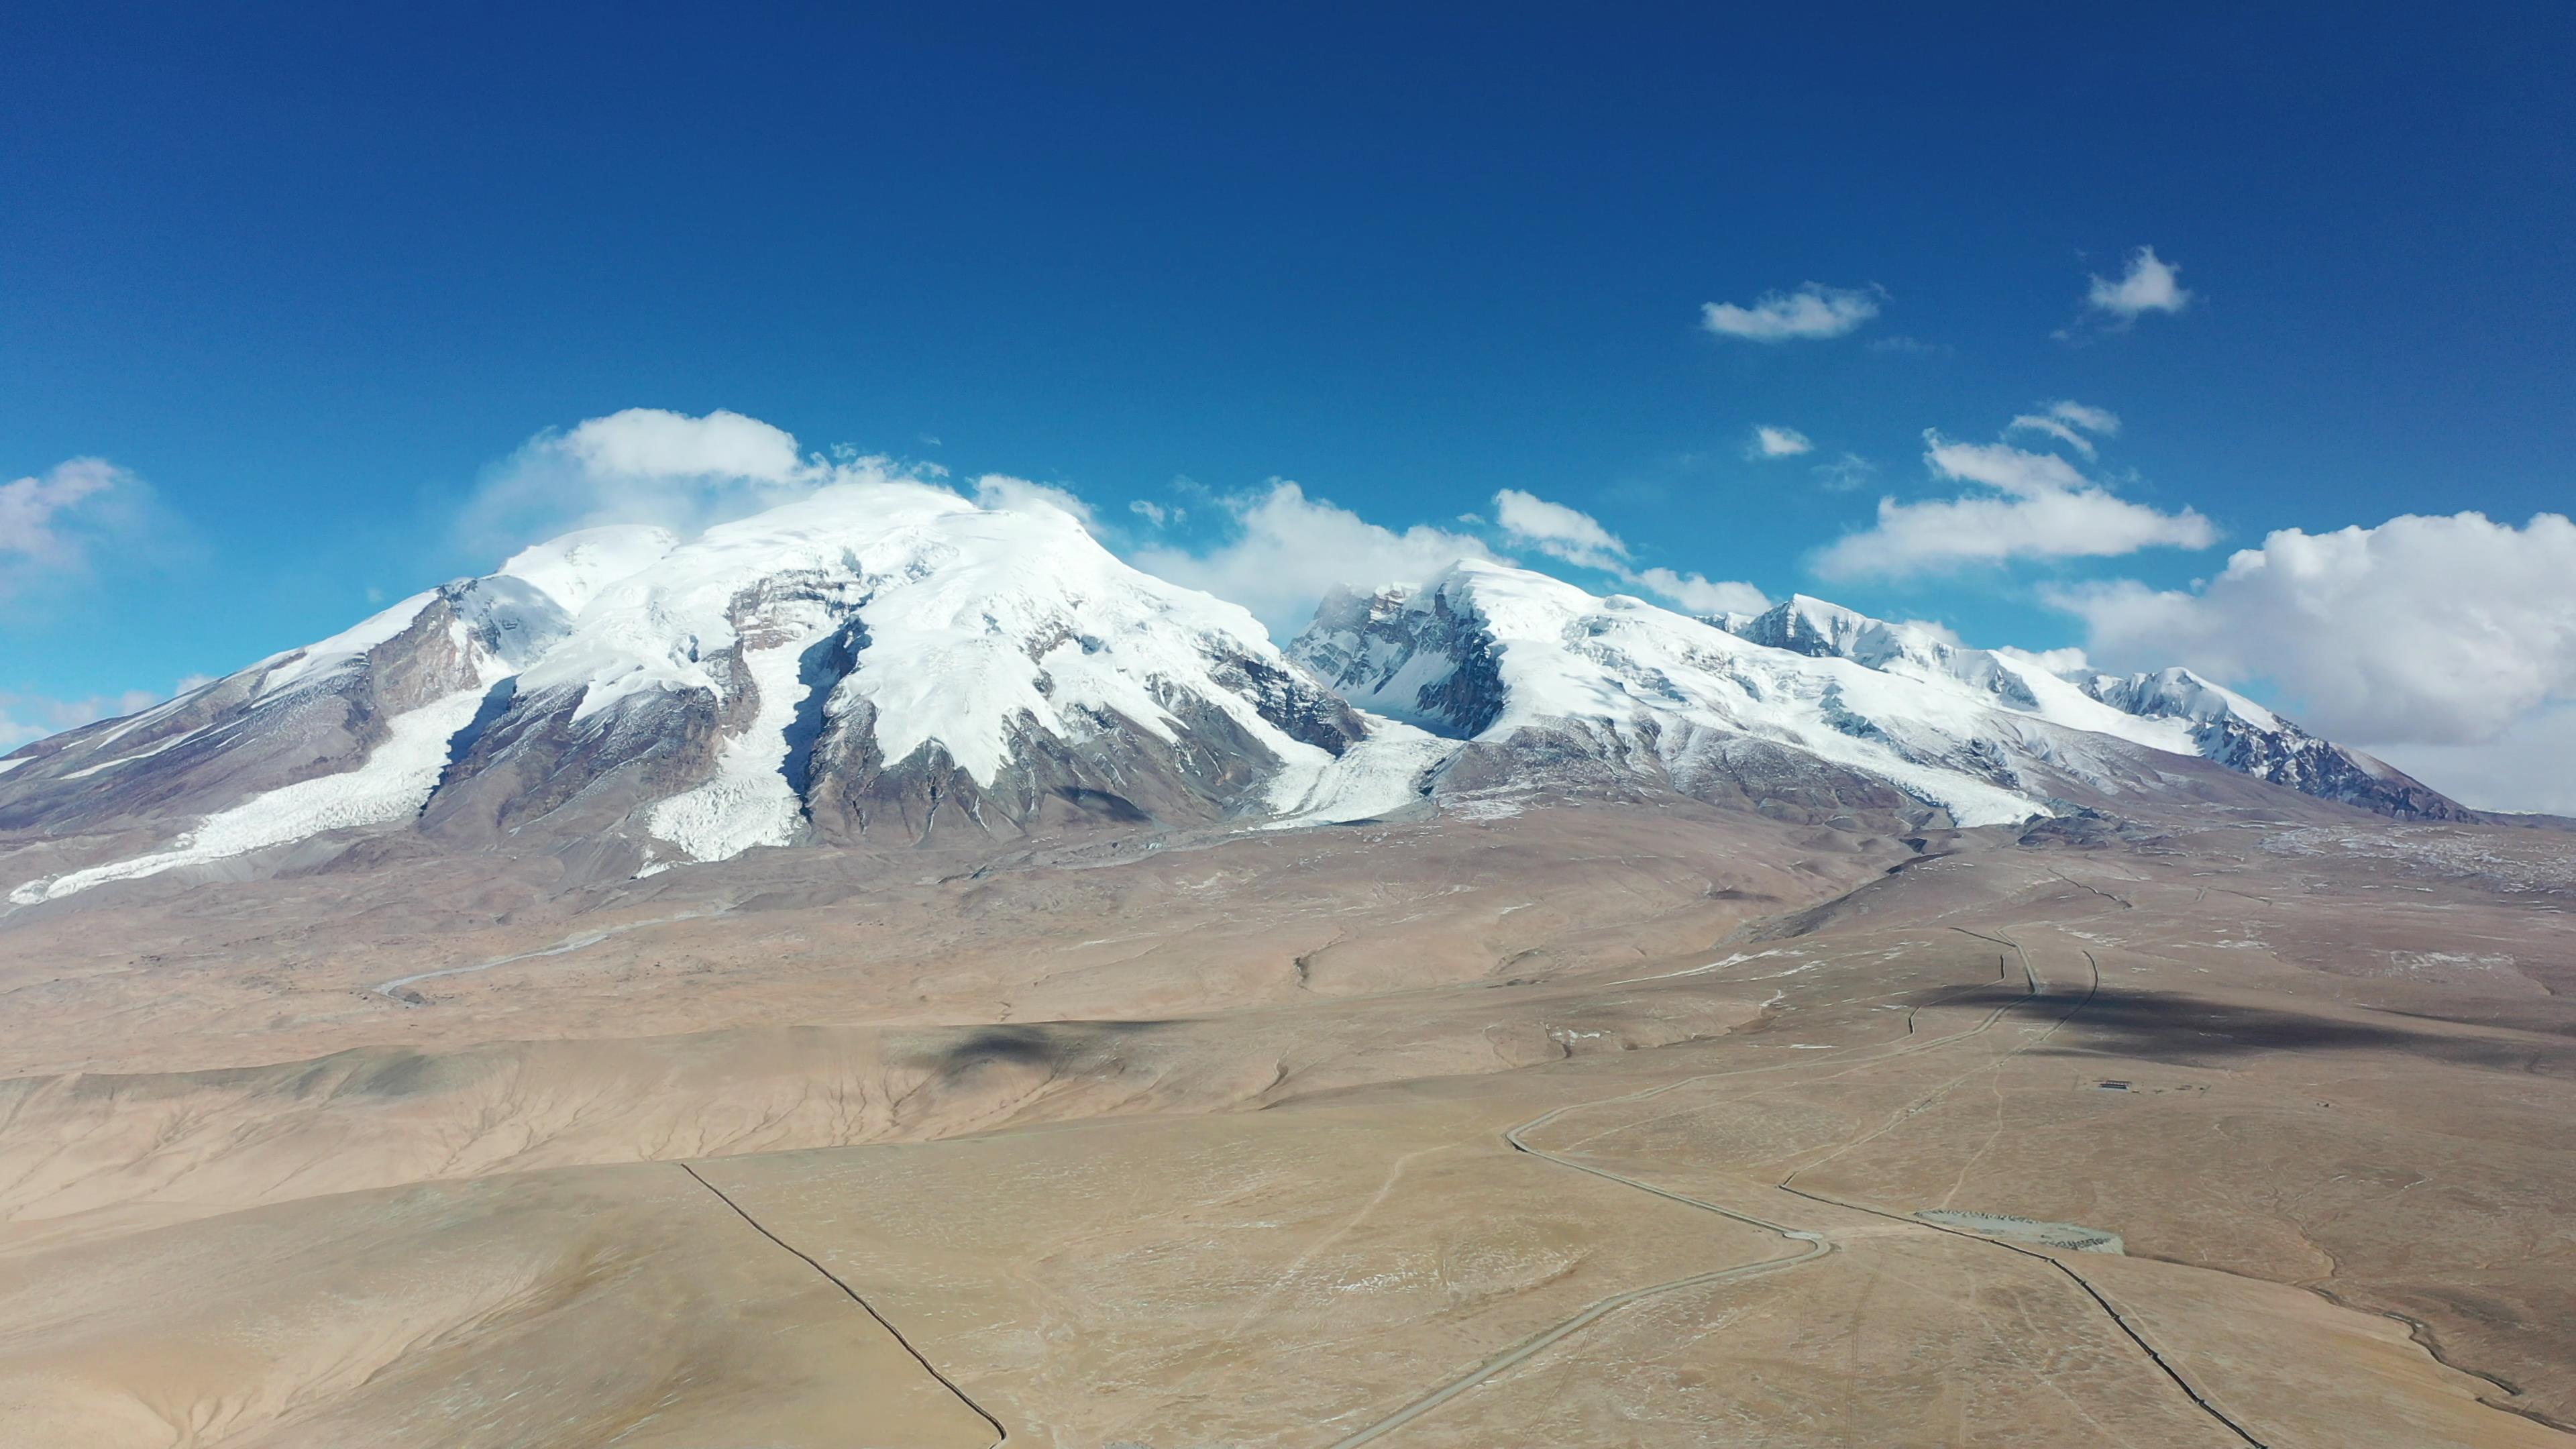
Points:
[[1808, 709], [2171, 709], [878, 661], [888, 664]]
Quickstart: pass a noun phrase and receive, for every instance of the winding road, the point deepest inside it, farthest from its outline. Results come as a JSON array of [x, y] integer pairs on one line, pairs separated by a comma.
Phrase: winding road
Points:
[[1815, 1244]]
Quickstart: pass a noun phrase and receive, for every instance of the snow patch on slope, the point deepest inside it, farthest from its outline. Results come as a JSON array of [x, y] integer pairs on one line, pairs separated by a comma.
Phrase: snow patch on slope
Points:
[[342, 647], [574, 569], [392, 785], [147, 752]]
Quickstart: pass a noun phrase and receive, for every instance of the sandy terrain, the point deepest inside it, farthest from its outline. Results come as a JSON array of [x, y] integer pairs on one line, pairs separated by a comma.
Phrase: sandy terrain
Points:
[[1589, 1124]]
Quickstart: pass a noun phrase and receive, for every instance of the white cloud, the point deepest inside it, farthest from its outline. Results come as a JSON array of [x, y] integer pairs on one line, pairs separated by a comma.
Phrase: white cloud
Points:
[[2068, 422], [2524, 768], [1699, 595], [1562, 532], [2090, 419], [650, 465], [1810, 311], [655, 443], [1289, 548], [1000, 490], [2042, 507], [2001, 466], [2151, 284], [50, 524], [1769, 442], [1578, 538], [1155, 513], [2423, 631]]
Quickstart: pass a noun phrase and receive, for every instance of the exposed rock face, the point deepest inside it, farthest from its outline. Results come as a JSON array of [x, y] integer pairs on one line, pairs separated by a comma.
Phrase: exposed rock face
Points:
[[2245, 737]]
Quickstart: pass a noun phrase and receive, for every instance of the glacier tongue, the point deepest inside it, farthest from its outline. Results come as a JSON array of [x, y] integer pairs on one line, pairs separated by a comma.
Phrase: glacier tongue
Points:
[[1380, 774]]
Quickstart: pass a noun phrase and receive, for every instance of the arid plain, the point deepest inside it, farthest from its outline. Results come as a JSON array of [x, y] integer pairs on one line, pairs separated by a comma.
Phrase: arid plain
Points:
[[1529, 1120]]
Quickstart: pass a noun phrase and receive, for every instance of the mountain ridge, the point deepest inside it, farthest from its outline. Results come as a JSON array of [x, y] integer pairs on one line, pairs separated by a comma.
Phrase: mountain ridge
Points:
[[889, 660]]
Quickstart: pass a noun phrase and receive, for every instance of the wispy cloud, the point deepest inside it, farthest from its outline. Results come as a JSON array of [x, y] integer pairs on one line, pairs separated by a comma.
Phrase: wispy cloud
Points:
[[26, 717], [52, 524], [1813, 310], [2068, 422], [1844, 474], [2034, 506], [1580, 539]]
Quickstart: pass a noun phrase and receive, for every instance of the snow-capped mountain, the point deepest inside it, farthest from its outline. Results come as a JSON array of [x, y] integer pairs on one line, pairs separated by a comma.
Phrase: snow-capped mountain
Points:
[[1808, 709], [2220, 724], [890, 664], [882, 661]]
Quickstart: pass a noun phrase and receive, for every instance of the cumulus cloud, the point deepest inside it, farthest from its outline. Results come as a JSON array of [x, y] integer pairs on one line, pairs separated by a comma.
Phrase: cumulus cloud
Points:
[[1578, 538], [2151, 284], [2421, 631], [1811, 311], [52, 523], [1770, 442], [1287, 549], [2068, 422], [651, 465], [2040, 506]]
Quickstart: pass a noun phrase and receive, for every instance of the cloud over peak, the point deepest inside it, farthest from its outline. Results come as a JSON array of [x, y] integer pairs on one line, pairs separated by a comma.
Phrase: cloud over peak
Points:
[[1813, 310], [1288, 548], [652, 465], [1578, 538]]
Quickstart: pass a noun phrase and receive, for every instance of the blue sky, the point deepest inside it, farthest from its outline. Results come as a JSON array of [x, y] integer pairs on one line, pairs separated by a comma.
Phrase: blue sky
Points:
[[307, 286]]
